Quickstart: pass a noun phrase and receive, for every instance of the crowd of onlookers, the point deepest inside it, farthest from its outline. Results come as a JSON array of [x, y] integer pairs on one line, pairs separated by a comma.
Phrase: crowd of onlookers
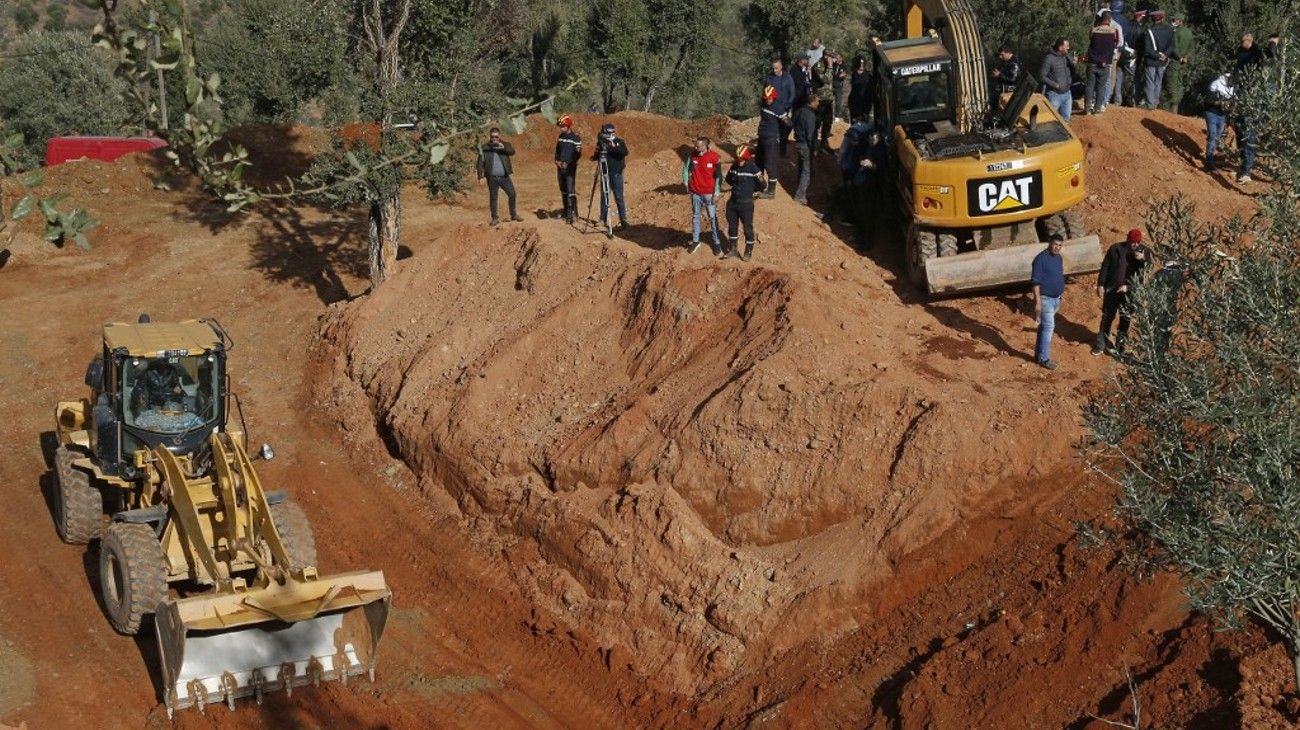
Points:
[[1141, 58]]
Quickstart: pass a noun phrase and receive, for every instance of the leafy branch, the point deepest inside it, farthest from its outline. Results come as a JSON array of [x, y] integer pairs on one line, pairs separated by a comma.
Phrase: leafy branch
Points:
[[60, 225]]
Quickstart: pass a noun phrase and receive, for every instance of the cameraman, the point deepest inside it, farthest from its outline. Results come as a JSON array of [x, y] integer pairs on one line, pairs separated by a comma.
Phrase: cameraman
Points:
[[494, 164], [613, 150]]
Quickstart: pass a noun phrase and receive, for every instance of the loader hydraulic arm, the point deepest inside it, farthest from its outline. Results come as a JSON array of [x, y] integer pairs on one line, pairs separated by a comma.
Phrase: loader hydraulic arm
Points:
[[955, 20]]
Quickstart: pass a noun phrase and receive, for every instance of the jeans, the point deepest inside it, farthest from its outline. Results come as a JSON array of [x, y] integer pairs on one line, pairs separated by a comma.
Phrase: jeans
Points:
[[805, 169], [1046, 326], [1215, 122], [706, 202], [615, 189], [1122, 90], [1062, 101], [1112, 303], [1155, 79], [1097, 87], [501, 183]]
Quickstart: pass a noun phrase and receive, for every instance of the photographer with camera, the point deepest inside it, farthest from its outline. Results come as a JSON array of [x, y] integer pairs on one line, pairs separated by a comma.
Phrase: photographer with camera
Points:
[[494, 164], [611, 153]]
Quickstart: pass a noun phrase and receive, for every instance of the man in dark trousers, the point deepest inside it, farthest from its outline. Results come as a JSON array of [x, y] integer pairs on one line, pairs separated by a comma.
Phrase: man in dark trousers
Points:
[[745, 179], [769, 139], [568, 150], [1120, 270], [1047, 274], [1006, 72], [781, 106], [494, 164], [862, 165], [805, 143], [801, 76], [702, 176], [614, 149]]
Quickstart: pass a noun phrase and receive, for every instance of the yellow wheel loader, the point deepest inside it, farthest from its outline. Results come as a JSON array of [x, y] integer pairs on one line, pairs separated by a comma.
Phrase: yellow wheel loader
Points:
[[188, 536], [982, 184]]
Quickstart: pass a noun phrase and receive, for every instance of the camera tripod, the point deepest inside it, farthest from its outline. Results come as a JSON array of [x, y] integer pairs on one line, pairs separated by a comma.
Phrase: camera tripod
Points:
[[601, 179]]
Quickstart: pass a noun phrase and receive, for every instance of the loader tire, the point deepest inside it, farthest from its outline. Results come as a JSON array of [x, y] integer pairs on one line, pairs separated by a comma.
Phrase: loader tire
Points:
[[947, 244], [132, 575], [922, 245], [295, 533], [78, 506]]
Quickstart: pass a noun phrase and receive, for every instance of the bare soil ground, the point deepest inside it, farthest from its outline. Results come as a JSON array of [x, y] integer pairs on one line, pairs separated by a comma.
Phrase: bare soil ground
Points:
[[614, 484]]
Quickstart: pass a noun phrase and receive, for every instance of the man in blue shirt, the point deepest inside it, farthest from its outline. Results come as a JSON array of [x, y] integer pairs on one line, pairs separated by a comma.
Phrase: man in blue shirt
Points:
[[1048, 278]]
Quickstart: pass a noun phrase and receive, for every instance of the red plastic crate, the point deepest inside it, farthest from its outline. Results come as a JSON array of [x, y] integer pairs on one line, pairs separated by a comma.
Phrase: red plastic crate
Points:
[[62, 149]]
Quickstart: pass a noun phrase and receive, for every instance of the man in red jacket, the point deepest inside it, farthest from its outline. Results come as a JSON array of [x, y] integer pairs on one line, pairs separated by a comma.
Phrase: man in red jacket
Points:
[[702, 176]]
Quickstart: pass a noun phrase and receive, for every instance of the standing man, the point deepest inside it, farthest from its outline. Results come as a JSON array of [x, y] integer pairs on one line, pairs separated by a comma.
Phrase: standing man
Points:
[[614, 150], [862, 90], [494, 164], [840, 87], [745, 178], [1102, 43], [774, 116], [805, 143], [864, 174], [1056, 79], [1177, 72], [1047, 274], [801, 78], [1248, 54], [1120, 270], [823, 75], [702, 176], [1157, 50], [1006, 73], [568, 150], [815, 52], [1217, 103]]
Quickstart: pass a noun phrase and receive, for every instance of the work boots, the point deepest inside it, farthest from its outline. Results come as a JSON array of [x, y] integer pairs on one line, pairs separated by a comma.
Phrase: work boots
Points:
[[749, 250], [731, 251]]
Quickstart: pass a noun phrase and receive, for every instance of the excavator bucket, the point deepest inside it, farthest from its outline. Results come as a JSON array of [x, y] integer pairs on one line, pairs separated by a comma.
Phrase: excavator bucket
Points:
[[995, 267], [220, 647]]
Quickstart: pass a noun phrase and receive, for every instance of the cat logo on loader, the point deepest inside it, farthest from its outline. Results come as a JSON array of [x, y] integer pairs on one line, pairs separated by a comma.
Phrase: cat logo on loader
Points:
[[226, 568]]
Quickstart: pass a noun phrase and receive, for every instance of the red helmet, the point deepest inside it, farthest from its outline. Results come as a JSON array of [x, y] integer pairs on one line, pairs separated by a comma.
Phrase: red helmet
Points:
[[565, 121], [769, 94], [744, 153]]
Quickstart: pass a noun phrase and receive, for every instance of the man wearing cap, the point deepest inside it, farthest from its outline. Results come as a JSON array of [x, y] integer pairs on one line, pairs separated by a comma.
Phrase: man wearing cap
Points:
[[702, 176], [1177, 70], [614, 150], [745, 178], [1120, 270], [568, 150], [494, 164], [1047, 274], [1157, 50], [1102, 43]]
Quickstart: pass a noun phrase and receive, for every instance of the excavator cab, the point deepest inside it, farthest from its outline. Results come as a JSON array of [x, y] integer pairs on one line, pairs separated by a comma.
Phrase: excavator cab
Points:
[[915, 78]]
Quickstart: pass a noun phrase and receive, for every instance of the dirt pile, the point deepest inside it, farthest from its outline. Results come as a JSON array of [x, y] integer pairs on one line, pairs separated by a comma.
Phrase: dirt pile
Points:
[[701, 462]]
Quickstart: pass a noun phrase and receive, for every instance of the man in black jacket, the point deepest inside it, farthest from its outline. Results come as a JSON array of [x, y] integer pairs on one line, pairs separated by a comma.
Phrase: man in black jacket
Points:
[[1120, 270], [1157, 49], [568, 150], [1006, 72], [745, 179], [805, 141], [494, 164], [614, 150]]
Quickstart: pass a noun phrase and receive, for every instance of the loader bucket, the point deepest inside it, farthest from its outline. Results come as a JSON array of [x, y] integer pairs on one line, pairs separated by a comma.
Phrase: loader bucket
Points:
[[995, 267], [220, 647]]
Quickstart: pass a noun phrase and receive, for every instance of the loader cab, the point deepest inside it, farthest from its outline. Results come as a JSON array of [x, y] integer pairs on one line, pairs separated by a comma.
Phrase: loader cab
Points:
[[915, 85], [160, 385]]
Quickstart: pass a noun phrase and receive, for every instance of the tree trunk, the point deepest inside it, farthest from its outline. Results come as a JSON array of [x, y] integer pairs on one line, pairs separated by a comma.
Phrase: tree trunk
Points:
[[384, 234]]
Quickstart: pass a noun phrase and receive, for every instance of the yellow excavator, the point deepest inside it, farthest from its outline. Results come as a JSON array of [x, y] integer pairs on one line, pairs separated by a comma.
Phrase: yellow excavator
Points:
[[226, 569], [982, 184]]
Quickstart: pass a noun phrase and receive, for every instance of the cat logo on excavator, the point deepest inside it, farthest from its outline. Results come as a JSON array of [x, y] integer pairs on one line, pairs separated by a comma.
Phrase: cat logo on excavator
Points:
[[1006, 194], [226, 569]]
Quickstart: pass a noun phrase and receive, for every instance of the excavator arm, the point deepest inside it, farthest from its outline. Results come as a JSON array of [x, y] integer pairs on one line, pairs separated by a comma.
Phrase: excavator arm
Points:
[[957, 26]]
